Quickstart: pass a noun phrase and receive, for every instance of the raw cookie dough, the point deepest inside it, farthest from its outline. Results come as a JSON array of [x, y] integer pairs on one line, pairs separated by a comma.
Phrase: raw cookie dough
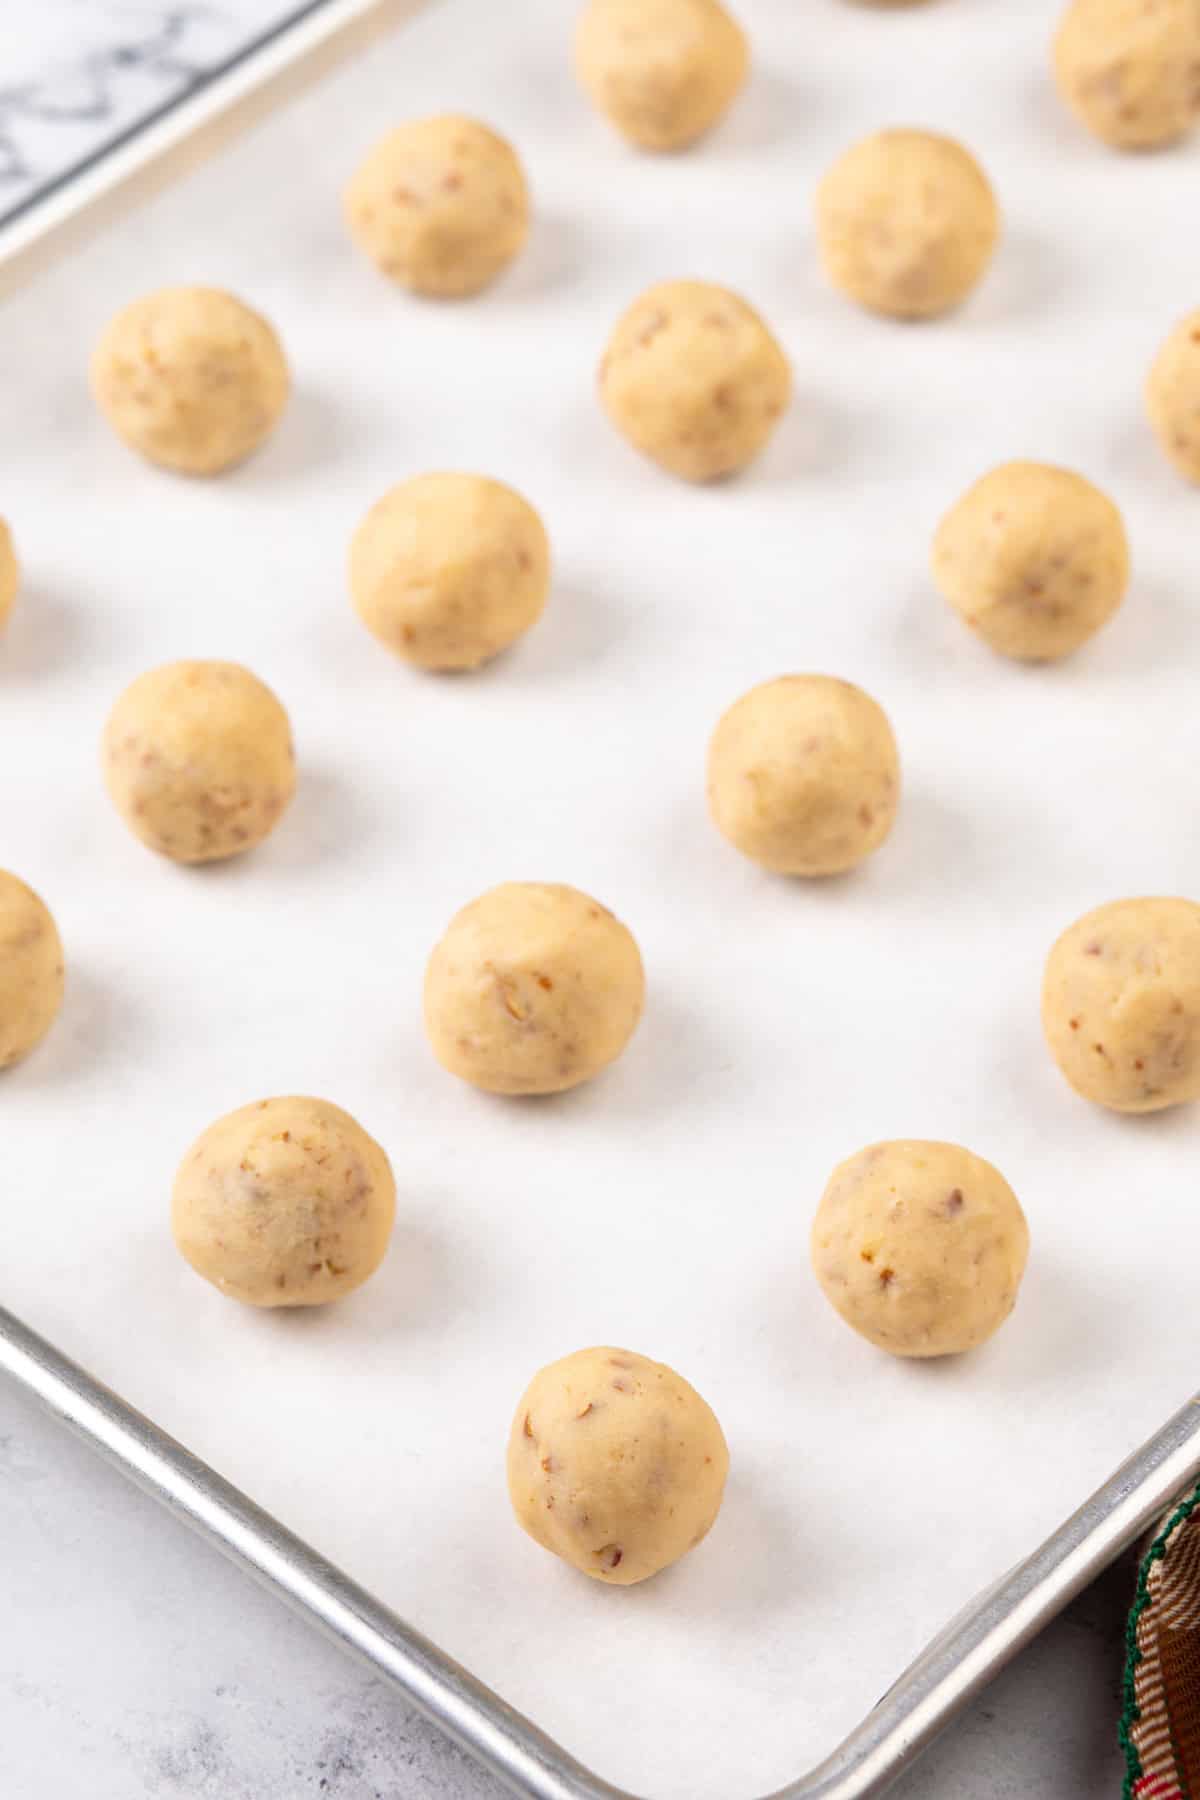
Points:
[[1121, 1004], [284, 1202], [191, 378], [534, 988], [907, 223], [920, 1247], [615, 1464], [1034, 559], [198, 760], [31, 970], [694, 379], [447, 570], [10, 573], [1130, 69], [663, 71], [440, 205], [1173, 396], [804, 775]]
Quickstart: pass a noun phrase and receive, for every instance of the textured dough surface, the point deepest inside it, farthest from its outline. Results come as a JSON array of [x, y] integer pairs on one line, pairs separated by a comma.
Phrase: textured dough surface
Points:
[[1033, 558], [1130, 69], [441, 205], [191, 378], [615, 1464], [1173, 396], [920, 1247], [663, 71], [694, 379], [198, 760], [447, 570], [10, 573], [31, 970], [535, 987], [906, 223]]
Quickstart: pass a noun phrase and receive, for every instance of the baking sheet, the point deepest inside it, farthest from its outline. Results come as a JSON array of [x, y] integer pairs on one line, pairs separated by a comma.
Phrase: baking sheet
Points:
[[666, 1206]]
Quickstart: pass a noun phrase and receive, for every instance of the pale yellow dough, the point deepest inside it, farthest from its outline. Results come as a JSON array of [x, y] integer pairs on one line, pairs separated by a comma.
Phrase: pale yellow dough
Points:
[[1033, 558], [920, 1247], [10, 573], [441, 205], [663, 71], [615, 1464], [694, 379], [1121, 1004], [31, 970], [906, 223], [535, 987], [198, 760], [1173, 396], [447, 570], [191, 378], [1130, 69], [284, 1202]]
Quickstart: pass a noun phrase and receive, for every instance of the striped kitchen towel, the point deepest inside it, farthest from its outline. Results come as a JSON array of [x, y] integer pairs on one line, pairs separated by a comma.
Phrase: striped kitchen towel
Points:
[[1160, 1725]]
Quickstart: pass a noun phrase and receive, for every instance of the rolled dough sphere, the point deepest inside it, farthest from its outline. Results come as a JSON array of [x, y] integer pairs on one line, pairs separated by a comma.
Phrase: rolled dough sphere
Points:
[[31, 970], [1033, 558], [920, 1247], [191, 378], [198, 760], [1121, 1004], [615, 1464], [1173, 396], [1130, 69], [534, 988], [284, 1202], [447, 570], [663, 71], [10, 573], [907, 223], [804, 775], [441, 205], [694, 379]]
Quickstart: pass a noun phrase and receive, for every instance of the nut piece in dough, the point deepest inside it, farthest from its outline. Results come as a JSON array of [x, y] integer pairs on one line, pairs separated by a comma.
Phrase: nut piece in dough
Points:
[[1173, 396], [198, 760], [447, 570], [31, 970], [284, 1202], [694, 379], [804, 775], [920, 1247], [615, 1464], [441, 205], [191, 378], [1130, 69], [1121, 1004], [1033, 558], [534, 988], [663, 71], [907, 223], [10, 573]]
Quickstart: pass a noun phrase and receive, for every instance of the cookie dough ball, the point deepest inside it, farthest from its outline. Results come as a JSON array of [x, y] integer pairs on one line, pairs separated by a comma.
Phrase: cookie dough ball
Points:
[[31, 970], [920, 1247], [447, 570], [534, 988], [1130, 69], [440, 205], [906, 223], [663, 71], [804, 775], [10, 573], [1033, 558], [1173, 396], [615, 1464], [198, 760], [694, 379], [191, 378]]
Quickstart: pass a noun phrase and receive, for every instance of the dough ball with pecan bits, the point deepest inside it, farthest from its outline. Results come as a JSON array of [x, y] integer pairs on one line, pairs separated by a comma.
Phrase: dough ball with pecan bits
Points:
[[663, 71], [907, 223], [615, 1464], [10, 573], [31, 970], [694, 379], [441, 205], [198, 760], [920, 1247], [1121, 1004], [534, 988], [1173, 396], [804, 775], [447, 570], [1130, 69], [284, 1202], [191, 378]]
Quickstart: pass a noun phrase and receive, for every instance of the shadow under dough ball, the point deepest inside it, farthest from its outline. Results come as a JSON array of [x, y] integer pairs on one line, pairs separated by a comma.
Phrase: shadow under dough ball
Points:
[[1130, 69], [662, 71], [10, 573], [31, 970], [1173, 396]]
